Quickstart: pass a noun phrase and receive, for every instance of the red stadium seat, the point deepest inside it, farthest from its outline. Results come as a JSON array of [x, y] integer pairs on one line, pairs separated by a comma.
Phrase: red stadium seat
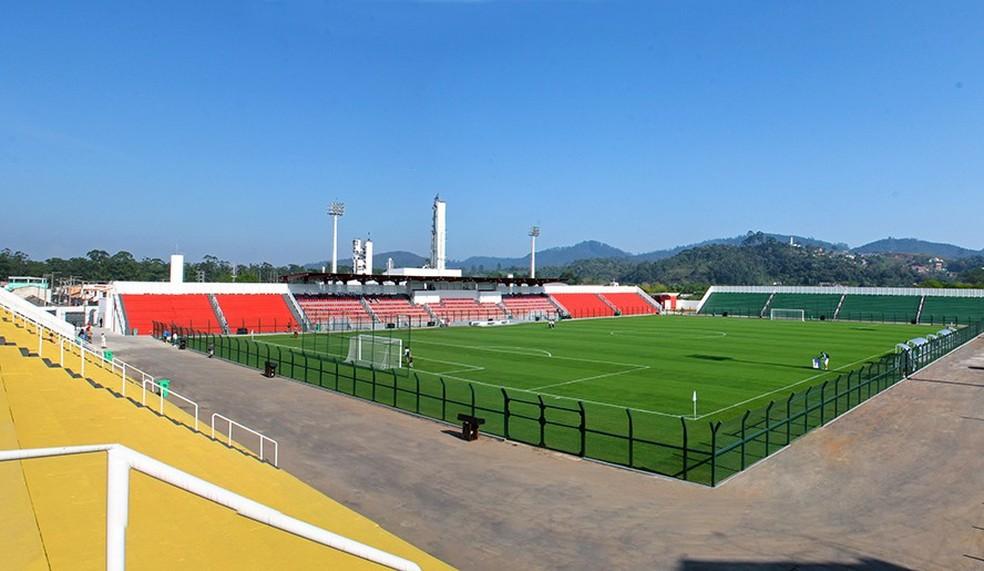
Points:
[[261, 313], [192, 311], [630, 303], [583, 304]]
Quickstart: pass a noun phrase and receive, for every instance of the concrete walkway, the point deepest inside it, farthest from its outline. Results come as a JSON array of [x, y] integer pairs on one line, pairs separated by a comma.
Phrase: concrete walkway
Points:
[[896, 484]]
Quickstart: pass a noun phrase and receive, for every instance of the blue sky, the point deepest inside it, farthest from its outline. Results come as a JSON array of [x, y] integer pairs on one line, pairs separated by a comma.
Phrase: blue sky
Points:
[[226, 127]]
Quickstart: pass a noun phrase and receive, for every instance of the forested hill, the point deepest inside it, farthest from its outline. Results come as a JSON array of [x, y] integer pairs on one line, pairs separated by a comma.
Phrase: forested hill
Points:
[[766, 262]]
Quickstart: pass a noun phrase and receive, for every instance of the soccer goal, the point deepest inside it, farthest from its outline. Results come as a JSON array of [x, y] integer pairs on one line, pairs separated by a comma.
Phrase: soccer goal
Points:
[[788, 314], [376, 351]]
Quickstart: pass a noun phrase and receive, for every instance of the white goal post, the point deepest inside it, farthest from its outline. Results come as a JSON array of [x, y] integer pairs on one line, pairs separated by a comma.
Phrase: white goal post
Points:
[[376, 351], [789, 314]]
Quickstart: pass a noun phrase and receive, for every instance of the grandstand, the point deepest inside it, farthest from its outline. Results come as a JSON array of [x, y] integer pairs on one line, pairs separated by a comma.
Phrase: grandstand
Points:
[[814, 306], [896, 305], [326, 309], [943, 310], [194, 311], [895, 308], [464, 309], [630, 303], [388, 309], [525, 306], [581, 305], [746, 304], [262, 313], [55, 508]]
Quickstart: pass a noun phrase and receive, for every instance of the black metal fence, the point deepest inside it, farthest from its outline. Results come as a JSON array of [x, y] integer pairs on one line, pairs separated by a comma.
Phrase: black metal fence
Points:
[[704, 450]]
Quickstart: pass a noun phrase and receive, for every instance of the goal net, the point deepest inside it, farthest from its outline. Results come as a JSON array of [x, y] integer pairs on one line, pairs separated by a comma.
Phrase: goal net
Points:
[[378, 352], [792, 314]]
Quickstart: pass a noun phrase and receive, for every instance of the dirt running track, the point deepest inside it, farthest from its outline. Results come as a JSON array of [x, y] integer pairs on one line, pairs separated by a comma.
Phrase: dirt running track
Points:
[[896, 484]]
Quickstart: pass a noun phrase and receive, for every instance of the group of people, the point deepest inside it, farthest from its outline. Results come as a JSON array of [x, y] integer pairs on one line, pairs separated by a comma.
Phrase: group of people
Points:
[[822, 361], [85, 334]]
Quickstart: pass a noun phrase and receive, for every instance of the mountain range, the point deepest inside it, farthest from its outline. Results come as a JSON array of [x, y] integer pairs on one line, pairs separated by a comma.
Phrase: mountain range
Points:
[[593, 249]]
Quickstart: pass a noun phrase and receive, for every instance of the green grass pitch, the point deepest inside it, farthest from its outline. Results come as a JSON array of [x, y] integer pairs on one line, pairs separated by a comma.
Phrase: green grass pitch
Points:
[[650, 365]]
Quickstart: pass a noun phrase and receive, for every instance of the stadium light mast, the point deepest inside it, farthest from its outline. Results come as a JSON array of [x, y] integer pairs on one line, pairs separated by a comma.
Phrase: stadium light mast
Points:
[[534, 233], [335, 210]]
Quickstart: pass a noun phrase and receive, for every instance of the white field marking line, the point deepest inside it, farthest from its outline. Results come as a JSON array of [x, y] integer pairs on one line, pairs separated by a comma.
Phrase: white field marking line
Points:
[[706, 335], [467, 365], [789, 386], [471, 370], [601, 376], [548, 355], [515, 389]]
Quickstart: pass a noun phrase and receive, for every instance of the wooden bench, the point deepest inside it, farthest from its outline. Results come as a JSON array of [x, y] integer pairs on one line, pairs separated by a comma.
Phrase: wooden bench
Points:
[[469, 426]]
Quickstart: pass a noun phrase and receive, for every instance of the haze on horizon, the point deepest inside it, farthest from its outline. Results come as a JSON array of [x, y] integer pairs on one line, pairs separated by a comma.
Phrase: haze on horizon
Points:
[[226, 128]]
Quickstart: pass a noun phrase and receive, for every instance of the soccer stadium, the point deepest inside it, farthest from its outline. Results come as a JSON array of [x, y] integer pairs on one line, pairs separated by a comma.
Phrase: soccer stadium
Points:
[[365, 311]]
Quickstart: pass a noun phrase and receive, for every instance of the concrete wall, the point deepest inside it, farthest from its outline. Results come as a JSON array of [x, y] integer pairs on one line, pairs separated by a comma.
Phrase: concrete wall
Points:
[[165, 288]]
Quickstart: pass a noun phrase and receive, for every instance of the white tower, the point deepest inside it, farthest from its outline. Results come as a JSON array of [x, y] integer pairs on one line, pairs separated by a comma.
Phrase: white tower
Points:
[[439, 235], [534, 234], [362, 257], [358, 258], [335, 210], [177, 268]]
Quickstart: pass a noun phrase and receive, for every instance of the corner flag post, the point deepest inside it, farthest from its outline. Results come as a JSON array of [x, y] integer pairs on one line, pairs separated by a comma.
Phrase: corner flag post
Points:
[[695, 404]]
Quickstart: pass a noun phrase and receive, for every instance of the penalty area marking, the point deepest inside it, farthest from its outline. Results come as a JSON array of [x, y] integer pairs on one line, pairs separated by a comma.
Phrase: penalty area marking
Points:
[[647, 336], [594, 377], [789, 386]]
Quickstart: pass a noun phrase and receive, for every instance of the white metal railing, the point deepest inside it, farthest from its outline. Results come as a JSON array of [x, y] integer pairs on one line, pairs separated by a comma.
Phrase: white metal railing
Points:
[[121, 460], [80, 349], [262, 437], [170, 393]]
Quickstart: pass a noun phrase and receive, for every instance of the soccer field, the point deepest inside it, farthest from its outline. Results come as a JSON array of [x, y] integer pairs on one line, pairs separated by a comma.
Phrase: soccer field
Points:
[[619, 390], [650, 364]]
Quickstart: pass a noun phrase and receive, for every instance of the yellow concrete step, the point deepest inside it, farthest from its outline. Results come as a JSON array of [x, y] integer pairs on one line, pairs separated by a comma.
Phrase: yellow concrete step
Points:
[[20, 542], [168, 527]]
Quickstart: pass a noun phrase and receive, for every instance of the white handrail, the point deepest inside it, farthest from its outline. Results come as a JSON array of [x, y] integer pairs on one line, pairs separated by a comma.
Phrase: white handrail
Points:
[[121, 459], [160, 391], [100, 359], [276, 446]]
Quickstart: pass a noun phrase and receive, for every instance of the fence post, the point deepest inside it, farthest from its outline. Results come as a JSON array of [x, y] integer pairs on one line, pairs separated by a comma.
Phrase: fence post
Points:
[[582, 427], [444, 399], [321, 372], [628, 413], [823, 401], [714, 429], [744, 419], [394, 387], [806, 410], [543, 421], [471, 388], [505, 413], [837, 396], [373, 371], [686, 450], [768, 424], [417, 379], [336, 375], [789, 416]]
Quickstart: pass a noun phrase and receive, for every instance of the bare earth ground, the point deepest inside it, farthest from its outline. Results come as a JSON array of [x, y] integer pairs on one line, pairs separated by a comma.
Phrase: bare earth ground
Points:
[[896, 484]]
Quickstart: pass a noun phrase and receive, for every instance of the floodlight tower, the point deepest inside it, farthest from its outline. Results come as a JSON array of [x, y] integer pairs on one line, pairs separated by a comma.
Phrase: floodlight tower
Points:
[[534, 233], [335, 210]]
